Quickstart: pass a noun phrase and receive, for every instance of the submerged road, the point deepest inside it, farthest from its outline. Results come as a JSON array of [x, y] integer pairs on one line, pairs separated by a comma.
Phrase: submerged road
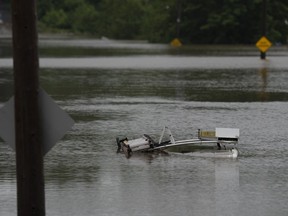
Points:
[[159, 62]]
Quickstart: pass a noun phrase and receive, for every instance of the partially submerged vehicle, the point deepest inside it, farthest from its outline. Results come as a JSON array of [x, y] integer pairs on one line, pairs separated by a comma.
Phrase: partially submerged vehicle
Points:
[[220, 143]]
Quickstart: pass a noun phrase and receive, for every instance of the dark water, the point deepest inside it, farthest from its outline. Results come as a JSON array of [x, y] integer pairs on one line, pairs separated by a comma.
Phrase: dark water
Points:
[[84, 175]]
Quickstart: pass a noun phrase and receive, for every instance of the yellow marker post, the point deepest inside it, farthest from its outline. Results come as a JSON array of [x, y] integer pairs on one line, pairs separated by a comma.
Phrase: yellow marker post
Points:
[[176, 43], [263, 45]]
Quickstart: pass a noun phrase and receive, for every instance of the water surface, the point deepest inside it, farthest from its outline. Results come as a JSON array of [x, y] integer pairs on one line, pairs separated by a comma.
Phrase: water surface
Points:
[[84, 175]]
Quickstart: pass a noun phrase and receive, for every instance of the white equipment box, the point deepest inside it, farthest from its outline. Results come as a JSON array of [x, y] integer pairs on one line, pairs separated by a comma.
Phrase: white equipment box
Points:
[[227, 133]]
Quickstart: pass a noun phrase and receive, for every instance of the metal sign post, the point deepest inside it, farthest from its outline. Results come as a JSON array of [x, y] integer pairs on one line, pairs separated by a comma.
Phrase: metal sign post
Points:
[[29, 156]]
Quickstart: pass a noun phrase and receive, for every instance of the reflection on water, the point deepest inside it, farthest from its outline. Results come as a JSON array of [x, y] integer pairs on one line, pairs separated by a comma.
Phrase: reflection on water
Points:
[[85, 176], [197, 85], [264, 76], [227, 182]]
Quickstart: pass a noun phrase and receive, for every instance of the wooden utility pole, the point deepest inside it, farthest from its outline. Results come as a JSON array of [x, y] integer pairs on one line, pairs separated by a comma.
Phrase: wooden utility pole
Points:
[[29, 153]]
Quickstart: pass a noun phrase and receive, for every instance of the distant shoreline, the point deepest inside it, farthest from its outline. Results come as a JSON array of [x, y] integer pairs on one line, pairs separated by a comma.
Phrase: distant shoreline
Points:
[[6, 33]]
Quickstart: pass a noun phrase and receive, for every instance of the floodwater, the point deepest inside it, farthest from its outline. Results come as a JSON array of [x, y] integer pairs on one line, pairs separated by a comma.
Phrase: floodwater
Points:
[[115, 89]]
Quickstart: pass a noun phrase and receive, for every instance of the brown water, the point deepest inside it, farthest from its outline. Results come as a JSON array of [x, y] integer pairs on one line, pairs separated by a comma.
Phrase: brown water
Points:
[[139, 91]]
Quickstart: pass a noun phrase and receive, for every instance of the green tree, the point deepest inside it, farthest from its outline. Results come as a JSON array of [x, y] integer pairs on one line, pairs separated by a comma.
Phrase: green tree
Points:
[[157, 22], [56, 19], [233, 21], [83, 19], [209, 21], [278, 20], [69, 15], [120, 19]]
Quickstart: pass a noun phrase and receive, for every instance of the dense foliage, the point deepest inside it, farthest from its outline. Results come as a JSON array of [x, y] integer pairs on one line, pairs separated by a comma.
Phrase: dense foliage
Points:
[[197, 21]]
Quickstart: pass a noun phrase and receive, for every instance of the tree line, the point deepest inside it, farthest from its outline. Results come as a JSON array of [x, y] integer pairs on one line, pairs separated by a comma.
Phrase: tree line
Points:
[[197, 21]]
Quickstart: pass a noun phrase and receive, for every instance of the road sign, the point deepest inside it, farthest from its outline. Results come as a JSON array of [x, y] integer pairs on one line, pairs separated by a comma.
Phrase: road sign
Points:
[[176, 43], [55, 122], [263, 44]]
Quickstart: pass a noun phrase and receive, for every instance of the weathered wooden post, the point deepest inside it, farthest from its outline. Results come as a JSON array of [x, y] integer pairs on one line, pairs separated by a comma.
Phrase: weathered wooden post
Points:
[[29, 150]]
